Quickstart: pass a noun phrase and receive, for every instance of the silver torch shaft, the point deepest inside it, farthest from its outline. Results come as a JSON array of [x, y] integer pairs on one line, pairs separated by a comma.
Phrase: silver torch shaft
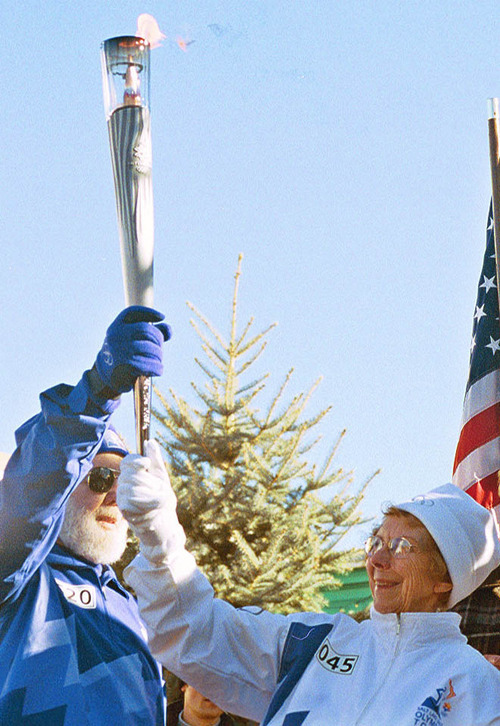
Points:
[[125, 70]]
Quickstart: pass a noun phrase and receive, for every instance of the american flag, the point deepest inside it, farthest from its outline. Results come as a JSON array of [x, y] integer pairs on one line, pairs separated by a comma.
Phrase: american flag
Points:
[[477, 459]]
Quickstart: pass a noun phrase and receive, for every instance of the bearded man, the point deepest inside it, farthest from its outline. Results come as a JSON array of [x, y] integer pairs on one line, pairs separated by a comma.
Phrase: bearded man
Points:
[[72, 646]]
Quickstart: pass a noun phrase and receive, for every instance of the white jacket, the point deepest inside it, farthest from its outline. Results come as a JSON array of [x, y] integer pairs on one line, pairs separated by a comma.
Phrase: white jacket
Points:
[[314, 669]]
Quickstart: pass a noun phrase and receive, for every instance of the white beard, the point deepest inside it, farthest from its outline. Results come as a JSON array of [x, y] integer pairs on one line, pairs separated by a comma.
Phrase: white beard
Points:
[[83, 535]]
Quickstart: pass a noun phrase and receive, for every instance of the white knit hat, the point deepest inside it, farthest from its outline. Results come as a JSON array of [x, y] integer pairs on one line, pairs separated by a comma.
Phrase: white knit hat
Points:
[[465, 532]]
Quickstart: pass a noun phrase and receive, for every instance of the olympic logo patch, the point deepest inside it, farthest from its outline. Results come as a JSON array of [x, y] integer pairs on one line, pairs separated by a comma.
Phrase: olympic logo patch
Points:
[[435, 708], [335, 662]]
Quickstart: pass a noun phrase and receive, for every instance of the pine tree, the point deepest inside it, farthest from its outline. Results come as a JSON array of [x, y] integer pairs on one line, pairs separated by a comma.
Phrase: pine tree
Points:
[[263, 521]]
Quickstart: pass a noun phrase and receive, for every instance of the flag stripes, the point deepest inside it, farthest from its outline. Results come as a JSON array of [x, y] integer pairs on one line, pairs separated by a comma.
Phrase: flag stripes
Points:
[[477, 459]]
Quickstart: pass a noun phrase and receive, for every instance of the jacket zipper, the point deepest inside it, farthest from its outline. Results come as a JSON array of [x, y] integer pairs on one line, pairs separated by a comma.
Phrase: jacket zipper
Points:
[[389, 668]]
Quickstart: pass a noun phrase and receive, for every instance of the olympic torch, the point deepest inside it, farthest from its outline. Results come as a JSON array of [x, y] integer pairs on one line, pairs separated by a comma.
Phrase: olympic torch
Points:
[[125, 72]]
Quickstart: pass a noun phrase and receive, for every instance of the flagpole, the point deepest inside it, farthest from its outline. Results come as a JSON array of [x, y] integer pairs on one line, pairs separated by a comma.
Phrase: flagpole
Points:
[[494, 136]]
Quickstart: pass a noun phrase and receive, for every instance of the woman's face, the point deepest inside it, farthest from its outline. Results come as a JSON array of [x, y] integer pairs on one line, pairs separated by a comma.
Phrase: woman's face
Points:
[[405, 584]]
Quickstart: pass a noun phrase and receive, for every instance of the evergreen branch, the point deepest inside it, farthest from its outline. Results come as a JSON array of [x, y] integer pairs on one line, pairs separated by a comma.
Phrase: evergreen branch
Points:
[[210, 374], [329, 458], [252, 360], [245, 548], [251, 343], [244, 333], [363, 487], [258, 382], [317, 418], [235, 301], [278, 397], [218, 360], [208, 325], [205, 397]]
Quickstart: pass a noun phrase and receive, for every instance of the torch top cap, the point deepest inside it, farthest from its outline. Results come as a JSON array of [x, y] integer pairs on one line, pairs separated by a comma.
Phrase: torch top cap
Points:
[[126, 42], [124, 50]]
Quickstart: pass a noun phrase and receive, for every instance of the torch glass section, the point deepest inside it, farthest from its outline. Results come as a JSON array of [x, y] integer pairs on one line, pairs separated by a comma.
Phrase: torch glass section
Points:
[[125, 72]]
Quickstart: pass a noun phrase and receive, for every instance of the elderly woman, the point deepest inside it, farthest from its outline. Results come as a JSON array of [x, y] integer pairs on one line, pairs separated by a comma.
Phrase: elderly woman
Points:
[[408, 665]]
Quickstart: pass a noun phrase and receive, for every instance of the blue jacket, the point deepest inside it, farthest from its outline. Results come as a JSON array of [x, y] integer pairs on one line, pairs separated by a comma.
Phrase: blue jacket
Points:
[[72, 646]]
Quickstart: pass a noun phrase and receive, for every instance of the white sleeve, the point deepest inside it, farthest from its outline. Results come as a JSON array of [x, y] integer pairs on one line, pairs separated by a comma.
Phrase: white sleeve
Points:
[[231, 656]]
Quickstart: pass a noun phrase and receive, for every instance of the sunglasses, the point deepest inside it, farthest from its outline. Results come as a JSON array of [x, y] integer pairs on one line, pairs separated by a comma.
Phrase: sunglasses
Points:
[[398, 546], [101, 479]]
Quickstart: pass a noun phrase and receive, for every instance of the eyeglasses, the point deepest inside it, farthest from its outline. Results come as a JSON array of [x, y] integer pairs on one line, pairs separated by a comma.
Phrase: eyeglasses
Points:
[[101, 479], [398, 546]]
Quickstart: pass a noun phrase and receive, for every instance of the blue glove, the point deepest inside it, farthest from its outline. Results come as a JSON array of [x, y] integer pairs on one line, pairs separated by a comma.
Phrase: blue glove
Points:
[[133, 347]]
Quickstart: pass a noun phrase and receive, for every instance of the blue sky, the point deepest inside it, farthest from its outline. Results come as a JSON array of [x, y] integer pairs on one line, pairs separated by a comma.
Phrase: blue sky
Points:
[[340, 146]]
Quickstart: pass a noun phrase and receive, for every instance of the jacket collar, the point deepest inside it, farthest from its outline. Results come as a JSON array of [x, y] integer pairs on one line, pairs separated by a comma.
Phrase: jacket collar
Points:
[[60, 558], [417, 628]]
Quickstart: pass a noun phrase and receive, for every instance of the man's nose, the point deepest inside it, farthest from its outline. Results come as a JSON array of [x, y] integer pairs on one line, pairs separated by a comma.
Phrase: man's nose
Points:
[[110, 498]]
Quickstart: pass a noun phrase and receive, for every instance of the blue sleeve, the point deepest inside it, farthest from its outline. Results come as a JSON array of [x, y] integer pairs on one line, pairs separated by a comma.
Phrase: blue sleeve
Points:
[[54, 452]]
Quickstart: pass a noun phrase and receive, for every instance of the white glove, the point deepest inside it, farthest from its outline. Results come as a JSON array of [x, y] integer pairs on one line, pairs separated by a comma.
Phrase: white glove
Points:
[[147, 501]]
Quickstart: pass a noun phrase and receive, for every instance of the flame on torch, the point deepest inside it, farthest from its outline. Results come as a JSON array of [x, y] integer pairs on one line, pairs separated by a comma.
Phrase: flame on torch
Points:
[[148, 28]]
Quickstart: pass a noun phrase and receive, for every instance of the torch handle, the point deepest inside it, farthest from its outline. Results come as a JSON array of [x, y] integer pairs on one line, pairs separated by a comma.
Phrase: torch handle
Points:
[[142, 409]]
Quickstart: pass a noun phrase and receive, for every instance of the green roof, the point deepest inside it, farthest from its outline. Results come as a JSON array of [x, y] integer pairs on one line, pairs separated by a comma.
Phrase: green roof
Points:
[[353, 596]]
